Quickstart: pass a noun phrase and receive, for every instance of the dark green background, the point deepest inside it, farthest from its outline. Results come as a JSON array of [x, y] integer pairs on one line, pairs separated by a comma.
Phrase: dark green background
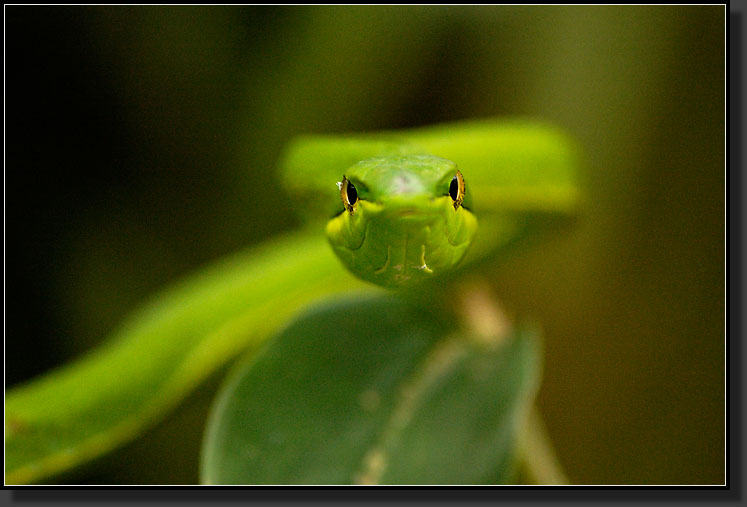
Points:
[[140, 144]]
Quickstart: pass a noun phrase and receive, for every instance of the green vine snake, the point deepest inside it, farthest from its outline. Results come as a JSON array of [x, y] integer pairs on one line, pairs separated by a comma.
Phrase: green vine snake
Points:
[[401, 208]]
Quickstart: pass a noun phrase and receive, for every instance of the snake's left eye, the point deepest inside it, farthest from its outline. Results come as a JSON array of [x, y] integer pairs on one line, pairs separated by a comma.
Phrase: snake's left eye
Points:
[[349, 194], [456, 189]]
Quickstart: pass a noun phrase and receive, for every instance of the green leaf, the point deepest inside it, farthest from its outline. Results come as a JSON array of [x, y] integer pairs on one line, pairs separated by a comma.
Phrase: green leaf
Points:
[[373, 390]]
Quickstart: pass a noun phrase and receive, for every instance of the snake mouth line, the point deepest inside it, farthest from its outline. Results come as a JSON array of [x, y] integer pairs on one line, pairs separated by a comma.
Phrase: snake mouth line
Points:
[[448, 239], [407, 213], [365, 234], [363, 239]]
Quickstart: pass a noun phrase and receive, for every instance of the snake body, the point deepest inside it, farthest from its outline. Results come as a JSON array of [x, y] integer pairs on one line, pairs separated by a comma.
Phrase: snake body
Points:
[[401, 202]]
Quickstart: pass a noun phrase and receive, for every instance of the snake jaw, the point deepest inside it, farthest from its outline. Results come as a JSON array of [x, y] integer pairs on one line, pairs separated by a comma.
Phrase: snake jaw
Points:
[[398, 243]]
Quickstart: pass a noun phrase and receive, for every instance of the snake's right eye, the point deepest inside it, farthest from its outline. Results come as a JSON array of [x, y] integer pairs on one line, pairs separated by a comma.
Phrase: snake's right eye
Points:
[[349, 194]]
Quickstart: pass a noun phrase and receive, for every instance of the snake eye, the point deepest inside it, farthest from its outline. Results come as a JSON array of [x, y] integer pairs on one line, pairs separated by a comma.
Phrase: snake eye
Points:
[[456, 189], [349, 194]]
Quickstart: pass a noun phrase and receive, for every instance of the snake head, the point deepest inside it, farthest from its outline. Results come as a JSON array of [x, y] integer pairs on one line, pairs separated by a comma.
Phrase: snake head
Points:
[[403, 219]]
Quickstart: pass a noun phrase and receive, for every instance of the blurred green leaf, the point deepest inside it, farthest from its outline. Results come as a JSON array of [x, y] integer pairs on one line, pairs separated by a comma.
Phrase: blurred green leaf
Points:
[[373, 390]]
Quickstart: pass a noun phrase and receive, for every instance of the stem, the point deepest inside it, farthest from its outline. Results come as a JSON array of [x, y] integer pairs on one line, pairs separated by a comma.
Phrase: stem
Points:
[[485, 318], [539, 464]]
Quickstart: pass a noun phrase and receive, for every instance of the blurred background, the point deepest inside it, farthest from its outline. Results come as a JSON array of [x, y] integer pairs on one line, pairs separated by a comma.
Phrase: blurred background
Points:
[[141, 142]]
